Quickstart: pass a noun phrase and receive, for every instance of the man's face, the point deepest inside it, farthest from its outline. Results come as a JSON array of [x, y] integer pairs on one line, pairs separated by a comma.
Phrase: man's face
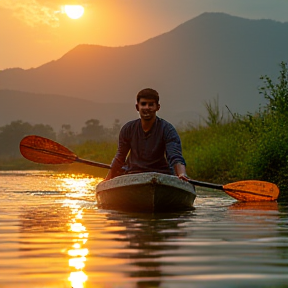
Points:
[[147, 108]]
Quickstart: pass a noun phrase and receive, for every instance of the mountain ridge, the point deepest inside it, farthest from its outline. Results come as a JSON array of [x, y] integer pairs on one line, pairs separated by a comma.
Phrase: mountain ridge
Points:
[[212, 55]]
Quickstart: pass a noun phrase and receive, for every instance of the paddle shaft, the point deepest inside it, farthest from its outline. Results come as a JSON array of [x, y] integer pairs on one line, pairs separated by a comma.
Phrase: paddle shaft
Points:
[[207, 185], [92, 163], [194, 182]]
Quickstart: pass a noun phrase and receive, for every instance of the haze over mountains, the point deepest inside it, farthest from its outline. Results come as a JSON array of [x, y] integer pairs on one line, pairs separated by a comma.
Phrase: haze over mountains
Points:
[[212, 55]]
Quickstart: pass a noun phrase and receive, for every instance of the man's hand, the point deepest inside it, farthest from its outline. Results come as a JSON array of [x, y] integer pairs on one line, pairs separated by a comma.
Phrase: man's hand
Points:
[[184, 177]]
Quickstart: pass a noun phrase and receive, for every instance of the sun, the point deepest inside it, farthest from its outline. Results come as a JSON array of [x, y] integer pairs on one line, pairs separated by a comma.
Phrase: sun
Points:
[[74, 11]]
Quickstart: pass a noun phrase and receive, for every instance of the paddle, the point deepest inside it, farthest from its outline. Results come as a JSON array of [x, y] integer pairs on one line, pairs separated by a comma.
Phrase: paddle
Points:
[[246, 191], [42, 150]]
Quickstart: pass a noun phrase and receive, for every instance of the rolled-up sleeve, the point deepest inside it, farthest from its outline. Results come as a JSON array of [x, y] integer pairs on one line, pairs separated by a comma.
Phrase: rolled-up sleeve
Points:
[[173, 147]]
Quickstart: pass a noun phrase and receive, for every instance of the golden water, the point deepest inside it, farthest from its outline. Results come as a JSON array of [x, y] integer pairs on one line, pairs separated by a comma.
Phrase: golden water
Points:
[[52, 234]]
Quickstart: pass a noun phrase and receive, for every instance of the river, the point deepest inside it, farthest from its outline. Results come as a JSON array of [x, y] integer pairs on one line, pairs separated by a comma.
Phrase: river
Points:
[[52, 234]]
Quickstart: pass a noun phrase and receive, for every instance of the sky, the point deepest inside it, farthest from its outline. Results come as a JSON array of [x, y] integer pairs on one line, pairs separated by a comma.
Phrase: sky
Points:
[[34, 32]]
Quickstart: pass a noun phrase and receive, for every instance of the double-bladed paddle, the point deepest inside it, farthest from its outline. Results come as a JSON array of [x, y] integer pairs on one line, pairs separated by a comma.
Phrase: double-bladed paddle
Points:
[[42, 150]]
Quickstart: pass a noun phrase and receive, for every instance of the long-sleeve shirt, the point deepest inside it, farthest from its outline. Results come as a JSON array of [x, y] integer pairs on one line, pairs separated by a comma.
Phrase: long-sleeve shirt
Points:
[[157, 150]]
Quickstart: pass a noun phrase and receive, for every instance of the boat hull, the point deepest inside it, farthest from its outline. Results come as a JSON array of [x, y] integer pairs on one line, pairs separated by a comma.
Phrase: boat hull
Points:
[[146, 192]]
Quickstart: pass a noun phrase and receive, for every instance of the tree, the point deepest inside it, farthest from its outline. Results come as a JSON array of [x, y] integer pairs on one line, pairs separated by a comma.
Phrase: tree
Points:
[[66, 136], [92, 131], [12, 134], [44, 131], [277, 93], [114, 131]]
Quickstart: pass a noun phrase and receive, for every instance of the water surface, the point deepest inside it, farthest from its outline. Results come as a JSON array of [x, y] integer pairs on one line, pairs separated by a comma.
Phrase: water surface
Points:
[[52, 234]]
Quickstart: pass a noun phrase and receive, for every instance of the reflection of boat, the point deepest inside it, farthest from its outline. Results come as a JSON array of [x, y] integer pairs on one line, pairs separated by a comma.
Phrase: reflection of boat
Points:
[[148, 191]]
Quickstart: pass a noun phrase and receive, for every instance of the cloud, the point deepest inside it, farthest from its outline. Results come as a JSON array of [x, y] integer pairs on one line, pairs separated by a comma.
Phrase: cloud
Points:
[[33, 12]]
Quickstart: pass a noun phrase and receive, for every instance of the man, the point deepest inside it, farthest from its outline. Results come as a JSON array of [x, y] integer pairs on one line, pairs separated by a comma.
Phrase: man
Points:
[[151, 143]]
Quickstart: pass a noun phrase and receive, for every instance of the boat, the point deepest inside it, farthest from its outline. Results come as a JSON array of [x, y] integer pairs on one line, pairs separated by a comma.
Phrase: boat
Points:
[[146, 192]]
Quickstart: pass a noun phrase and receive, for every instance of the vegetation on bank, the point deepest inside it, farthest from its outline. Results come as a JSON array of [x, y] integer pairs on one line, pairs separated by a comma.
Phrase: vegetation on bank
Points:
[[252, 146], [244, 147]]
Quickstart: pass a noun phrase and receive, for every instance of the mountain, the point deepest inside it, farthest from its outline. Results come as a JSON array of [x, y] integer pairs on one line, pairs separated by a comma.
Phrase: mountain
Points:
[[212, 55]]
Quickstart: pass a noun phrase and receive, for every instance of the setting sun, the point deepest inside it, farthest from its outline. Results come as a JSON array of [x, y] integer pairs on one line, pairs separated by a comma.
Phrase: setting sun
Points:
[[74, 11]]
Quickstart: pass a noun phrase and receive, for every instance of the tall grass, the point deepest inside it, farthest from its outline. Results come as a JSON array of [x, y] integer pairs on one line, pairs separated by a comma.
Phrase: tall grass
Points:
[[215, 153], [98, 151]]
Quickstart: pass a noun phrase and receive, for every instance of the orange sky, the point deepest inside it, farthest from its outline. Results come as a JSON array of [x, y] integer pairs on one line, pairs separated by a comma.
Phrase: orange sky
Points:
[[33, 33]]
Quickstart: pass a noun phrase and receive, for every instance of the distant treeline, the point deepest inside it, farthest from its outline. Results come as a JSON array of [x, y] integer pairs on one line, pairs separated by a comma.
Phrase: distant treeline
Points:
[[11, 135]]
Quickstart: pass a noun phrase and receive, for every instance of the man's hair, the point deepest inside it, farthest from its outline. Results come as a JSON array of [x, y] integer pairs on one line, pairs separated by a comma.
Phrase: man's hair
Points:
[[148, 93]]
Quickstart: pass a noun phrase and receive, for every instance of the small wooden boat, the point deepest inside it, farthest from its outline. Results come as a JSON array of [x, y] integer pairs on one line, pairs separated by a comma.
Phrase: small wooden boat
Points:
[[146, 192]]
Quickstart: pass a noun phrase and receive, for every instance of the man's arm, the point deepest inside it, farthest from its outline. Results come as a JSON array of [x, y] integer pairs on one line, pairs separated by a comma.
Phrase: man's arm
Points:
[[120, 157], [116, 168], [174, 153], [180, 171]]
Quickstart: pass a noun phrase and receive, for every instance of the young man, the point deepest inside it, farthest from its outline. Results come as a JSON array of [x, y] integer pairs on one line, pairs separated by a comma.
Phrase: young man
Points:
[[151, 143]]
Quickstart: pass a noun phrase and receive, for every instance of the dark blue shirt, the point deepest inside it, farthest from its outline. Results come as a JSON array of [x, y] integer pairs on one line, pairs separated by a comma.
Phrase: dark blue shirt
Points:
[[157, 150]]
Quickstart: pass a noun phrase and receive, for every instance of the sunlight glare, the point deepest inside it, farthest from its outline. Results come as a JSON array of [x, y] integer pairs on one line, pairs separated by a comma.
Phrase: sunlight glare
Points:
[[77, 253], [78, 278], [74, 11], [78, 185], [77, 227]]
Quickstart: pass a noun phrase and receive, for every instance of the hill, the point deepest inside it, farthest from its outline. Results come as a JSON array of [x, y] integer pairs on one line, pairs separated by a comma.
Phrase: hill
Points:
[[212, 54]]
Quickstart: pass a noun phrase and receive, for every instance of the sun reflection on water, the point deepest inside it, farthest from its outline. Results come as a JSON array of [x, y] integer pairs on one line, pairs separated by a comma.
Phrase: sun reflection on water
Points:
[[77, 253], [77, 186]]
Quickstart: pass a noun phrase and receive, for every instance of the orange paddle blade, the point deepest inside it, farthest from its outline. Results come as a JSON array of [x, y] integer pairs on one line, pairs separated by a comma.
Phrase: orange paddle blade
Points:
[[46, 151], [252, 190]]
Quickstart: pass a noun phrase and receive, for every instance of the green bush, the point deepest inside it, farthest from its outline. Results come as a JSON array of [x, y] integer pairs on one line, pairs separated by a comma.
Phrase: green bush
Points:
[[215, 153]]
